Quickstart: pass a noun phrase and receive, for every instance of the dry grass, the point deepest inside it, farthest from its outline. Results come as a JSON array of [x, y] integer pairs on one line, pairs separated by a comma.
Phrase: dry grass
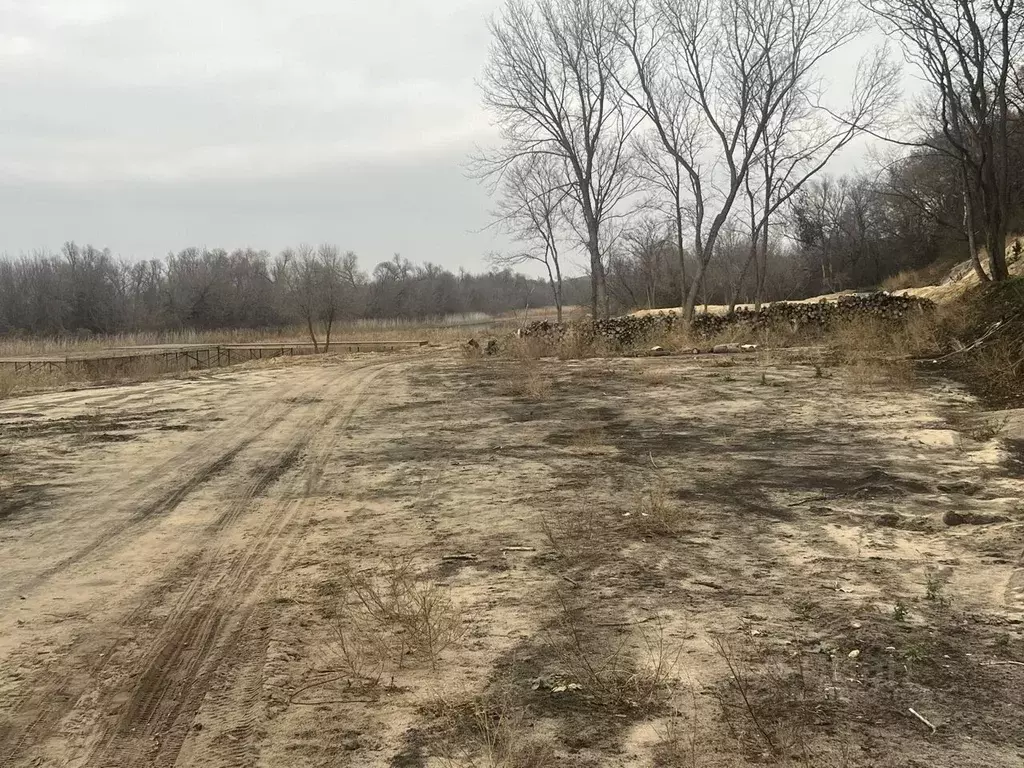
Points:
[[492, 732], [527, 381], [440, 331], [933, 274], [769, 708], [21, 382], [392, 618], [875, 352], [1000, 364], [575, 534], [621, 676], [656, 377], [987, 429], [654, 512], [10, 383]]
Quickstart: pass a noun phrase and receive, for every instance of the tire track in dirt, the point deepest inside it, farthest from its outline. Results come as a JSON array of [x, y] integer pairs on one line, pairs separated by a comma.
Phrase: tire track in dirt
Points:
[[194, 625], [167, 500], [154, 724]]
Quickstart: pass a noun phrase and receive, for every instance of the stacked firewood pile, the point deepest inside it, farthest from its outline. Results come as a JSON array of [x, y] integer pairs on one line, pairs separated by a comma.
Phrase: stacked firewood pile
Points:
[[631, 330]]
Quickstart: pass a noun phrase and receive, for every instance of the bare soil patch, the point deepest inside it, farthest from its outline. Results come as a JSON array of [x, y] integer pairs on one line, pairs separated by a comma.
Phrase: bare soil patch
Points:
[[422, 560]]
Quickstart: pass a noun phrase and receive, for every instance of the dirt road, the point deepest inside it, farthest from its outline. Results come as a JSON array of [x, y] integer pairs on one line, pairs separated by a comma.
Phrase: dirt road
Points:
[[176, 554], [158, 519]]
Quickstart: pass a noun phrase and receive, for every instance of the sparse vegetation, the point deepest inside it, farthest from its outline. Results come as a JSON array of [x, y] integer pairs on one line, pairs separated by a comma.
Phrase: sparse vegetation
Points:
[[575, 533], [492, 733], [987, 429], [527, 381], [613, 673], [391, 618], [655, 513]]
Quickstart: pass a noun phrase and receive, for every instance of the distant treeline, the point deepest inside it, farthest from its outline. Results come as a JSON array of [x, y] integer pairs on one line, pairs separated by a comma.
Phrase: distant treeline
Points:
[[89, 290]]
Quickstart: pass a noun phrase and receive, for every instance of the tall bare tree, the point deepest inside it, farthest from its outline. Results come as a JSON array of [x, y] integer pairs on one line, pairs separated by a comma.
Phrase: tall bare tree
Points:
[[532, 210], [713, 77], [967, 52], [550, 83], [660, 170], [801, 139]]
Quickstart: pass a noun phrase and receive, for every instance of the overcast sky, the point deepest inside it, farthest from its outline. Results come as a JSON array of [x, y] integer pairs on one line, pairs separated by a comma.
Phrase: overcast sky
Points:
[[149, 125]]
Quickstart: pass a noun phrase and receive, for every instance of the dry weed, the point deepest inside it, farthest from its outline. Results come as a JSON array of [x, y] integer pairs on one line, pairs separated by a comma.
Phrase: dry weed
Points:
[[681, 740], [527, 381], [876, 353], [578, 344], [390, 617], [614, 676], [575, 534], [10, 383], [654, 513], [769, 707], [987, 429], [999, 365], [656, 377], [492, 733]]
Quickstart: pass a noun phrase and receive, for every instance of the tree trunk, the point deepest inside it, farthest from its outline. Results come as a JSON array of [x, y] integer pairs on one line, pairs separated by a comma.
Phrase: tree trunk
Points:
[[969, 226], [598, 289], [762, 267], [996, 244], [751, 258], [691, 295], [312, 333], [679, 242], [556, 289]]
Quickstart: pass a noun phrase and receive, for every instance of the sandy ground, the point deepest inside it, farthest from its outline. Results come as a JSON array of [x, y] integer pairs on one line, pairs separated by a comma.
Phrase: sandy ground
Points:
[[418, 560]]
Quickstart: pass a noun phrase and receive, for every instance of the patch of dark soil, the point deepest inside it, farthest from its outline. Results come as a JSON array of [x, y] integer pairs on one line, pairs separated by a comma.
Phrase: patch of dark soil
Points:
[[413, 753], [304, 400], [270, 474], [170, 500], [19, 497], [1015, 460], [952, 517], [413, 405], [860, 665], [428, 449], [174, 428], [86, 426], [544, 678], [108, 437]]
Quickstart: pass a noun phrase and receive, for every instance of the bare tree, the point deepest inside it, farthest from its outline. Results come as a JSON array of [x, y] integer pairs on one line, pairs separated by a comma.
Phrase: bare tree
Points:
[[304, 290], [336, 275], [550, 83], [532, 210], [713, 77], [800, 140], [660, 170], [967, 51], [322, 283]]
